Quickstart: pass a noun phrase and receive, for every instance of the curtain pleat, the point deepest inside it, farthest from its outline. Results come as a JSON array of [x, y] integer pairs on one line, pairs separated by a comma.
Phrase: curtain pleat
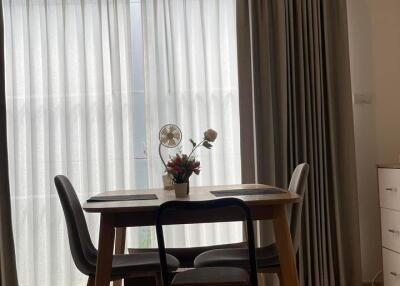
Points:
[[300, 70], [191, 80], [69, 93]]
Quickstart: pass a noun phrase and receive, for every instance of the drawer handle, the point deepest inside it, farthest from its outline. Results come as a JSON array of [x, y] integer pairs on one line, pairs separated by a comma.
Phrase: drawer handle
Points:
[[391, 189], [395, 274], [394, 231]]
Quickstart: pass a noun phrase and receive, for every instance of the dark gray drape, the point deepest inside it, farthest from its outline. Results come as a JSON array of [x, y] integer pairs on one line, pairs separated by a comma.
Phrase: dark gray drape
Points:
[[301, 97], [8, 273]]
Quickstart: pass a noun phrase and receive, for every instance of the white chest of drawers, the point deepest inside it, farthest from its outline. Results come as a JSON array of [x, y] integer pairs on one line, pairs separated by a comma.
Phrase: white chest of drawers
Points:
[[389, 196]]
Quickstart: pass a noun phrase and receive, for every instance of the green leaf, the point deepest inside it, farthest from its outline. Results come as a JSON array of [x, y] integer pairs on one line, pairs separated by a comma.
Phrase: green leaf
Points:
[[193, 143], [207, 144]]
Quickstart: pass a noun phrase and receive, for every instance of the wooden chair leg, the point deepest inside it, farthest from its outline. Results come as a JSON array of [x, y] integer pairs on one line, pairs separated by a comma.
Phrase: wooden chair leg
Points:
[[120, 236], [261, 279], [90, 281], [158, 278]]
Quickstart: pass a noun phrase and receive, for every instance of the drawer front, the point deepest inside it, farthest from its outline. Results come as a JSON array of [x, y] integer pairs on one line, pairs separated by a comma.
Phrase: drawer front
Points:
[[391, 268], [389, 188], [390, 229]]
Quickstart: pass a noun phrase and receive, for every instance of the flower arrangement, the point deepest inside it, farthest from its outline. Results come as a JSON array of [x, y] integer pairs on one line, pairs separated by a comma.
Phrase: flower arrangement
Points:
[[181, 166]]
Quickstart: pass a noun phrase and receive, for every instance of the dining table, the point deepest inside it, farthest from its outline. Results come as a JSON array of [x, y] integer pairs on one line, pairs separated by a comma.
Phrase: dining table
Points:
[[118, 214]]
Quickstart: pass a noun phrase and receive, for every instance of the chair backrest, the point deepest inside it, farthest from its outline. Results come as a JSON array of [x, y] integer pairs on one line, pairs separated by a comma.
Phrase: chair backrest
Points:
[[237, 208], [298, 185], [82, 249]]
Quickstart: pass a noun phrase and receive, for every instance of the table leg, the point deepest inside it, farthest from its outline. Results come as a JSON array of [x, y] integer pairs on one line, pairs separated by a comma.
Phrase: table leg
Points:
[[120, 236], [105, 251], [285, 247]]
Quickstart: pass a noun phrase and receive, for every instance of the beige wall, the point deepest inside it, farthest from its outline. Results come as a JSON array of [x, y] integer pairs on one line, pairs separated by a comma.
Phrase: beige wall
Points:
[[374, 35], [386, 31]]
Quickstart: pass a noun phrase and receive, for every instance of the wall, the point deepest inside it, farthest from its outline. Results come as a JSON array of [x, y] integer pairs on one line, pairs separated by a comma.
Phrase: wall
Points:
[[374, 39], [387, 78]]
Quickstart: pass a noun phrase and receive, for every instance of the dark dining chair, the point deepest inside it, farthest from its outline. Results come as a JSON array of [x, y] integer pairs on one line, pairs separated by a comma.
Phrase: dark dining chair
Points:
[[210, 276], [84, 253], [267, 257]]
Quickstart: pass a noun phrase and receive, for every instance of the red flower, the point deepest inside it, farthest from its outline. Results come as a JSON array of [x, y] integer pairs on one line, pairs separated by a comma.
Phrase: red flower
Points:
[[177, 159], [181, 167], [177, 169]]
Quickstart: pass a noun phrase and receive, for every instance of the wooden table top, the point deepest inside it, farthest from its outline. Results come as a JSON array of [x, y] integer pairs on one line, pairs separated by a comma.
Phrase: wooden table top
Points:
[[196, 194]]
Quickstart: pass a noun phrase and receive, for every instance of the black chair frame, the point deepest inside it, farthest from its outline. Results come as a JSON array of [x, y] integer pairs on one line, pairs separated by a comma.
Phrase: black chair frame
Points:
[[204, 206]]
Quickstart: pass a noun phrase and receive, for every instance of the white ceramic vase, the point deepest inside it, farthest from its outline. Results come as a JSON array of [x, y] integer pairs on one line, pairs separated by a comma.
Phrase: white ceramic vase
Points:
[[181, 190]]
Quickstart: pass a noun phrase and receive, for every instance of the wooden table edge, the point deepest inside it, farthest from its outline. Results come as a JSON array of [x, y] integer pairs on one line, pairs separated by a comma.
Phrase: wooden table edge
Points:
[[133, 209]]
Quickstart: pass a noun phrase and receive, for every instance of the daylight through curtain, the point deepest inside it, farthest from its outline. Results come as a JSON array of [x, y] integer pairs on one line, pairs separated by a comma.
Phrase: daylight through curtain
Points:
[[191, 80], [69, 111]]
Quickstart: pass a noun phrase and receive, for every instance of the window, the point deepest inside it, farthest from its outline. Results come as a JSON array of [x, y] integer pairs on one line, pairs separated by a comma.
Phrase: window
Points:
[[141, 162], [139, 94]]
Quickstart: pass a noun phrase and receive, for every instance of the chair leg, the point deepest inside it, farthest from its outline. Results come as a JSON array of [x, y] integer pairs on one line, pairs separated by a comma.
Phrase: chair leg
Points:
[[158, 278], [90, 281], [120, 237], [261, 279]]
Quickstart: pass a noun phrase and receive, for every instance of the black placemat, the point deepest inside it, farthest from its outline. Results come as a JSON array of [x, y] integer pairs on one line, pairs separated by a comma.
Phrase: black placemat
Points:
[[230, 193], [122, 198]]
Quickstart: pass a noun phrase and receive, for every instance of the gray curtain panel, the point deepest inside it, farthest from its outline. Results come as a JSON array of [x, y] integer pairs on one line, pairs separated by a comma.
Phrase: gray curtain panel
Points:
[[8, 272], [298, 108]]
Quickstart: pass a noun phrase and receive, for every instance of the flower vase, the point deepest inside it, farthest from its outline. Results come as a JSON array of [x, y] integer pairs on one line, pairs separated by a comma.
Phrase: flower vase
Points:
[[167, 182], [181, 190]]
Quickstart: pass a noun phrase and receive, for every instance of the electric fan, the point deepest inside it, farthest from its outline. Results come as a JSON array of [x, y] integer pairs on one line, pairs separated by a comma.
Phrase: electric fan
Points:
[[170, 136]]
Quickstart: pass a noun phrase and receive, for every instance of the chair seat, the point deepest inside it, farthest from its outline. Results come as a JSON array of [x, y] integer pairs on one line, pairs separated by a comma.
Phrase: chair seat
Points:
[[238, 257], [140, 263], [187, 255], [221, 276]]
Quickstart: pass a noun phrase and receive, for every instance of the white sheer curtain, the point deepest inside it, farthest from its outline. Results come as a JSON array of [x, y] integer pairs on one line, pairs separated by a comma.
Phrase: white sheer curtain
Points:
[[191, 80], [69, 111], [71, 84]]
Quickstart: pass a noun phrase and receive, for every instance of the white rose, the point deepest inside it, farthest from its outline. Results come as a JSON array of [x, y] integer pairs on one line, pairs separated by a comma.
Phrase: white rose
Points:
[[210, 135]]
